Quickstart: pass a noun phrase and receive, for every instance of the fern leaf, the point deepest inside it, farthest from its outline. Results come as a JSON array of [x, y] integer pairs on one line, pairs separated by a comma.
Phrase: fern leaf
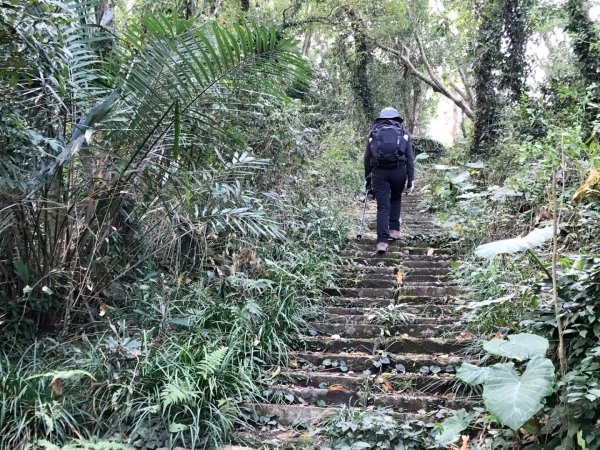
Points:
[[177, 392], [212, 362]]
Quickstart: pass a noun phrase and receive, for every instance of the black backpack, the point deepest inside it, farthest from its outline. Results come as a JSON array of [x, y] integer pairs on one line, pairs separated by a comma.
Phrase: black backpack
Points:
[[388, 144]]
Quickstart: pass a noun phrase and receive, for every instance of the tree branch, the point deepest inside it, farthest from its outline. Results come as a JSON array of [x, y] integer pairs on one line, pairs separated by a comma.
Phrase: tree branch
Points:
[[433, 82], [299, 23], [468, 89]]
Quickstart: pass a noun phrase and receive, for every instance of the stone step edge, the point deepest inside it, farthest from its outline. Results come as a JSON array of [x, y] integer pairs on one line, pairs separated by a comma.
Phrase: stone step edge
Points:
[[287, 415]]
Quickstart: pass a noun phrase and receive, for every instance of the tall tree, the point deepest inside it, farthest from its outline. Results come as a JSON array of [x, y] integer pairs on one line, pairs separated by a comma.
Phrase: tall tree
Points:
[[515, 20], [586, 46], [486, 83], [362, 58]]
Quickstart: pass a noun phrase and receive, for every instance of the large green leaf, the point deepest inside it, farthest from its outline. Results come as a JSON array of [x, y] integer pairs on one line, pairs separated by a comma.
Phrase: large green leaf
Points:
[[513, 398], [519, 346], [472, 374], [534, 239], [453, 426]]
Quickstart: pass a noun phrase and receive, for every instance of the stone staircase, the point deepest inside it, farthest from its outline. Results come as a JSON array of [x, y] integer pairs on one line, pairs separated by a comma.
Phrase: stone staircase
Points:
[[379, 338]]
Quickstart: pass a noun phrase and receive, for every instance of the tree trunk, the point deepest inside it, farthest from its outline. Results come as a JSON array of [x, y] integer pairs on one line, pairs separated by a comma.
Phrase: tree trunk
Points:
[[362, 57], [190, 9], [586, 46], [105, 13], [486, 82], [515, 19], [307, 43]]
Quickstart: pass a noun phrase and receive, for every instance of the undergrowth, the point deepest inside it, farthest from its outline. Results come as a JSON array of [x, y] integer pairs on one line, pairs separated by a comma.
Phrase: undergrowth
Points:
[[505, 195]]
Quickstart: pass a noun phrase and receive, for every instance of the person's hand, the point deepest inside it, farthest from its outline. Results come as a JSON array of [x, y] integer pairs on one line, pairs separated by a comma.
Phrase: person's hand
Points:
[[410, 188], [368, 188]]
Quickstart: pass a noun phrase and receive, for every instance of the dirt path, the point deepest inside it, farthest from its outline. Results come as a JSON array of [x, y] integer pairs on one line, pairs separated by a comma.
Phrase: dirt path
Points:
[[354, 354]]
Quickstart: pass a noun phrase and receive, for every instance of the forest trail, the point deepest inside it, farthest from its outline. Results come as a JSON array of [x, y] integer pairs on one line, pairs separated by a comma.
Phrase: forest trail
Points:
[[354, 354]]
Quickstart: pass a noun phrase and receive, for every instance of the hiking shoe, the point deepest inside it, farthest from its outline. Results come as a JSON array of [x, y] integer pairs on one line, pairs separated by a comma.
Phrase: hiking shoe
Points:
[[395, 235], [382, 247]]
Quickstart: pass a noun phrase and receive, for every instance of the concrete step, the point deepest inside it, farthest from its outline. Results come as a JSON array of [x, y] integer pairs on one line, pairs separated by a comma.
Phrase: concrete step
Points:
[[350, 279], [382, 261], [362, 330], [294, 415], [386, 282], [422, 312], [371, 318], [399, 251], [365, 302], [404, 402], [356, 362], [357, 269], [405, 291], [439, 383], [370, 240], [392, 344], [372, 254]]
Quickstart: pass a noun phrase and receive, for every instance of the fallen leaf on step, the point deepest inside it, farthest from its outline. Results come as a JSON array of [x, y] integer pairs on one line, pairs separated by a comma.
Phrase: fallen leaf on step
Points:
[[336, 387], [399, 276], [430, 251], [335, 336], [465, 335], [293, 363], [276, 372], [444, 356], [386, 385], [286, 435]]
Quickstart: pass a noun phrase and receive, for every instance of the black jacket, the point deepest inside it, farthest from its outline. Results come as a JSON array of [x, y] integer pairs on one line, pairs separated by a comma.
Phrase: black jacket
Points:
[[410, 156]]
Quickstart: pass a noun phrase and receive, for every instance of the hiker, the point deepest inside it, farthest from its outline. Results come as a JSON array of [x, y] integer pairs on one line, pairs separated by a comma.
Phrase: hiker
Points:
[[389, 170]]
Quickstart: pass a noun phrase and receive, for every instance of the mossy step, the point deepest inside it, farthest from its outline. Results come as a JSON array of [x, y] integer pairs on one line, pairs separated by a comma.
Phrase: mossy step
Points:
[[362, 270], [423, 312], [365, 302], [372, 254], [401, 250], [294, 415], [368, 319], [408, 291], [439, 383], [388, 275], [359, 362], [388, 282], [405, 402], [382, 261], [370, 239], [366, 330], [393, 344]]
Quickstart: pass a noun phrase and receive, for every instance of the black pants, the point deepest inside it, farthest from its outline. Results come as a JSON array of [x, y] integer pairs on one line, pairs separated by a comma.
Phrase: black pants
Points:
[[387, 185]]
